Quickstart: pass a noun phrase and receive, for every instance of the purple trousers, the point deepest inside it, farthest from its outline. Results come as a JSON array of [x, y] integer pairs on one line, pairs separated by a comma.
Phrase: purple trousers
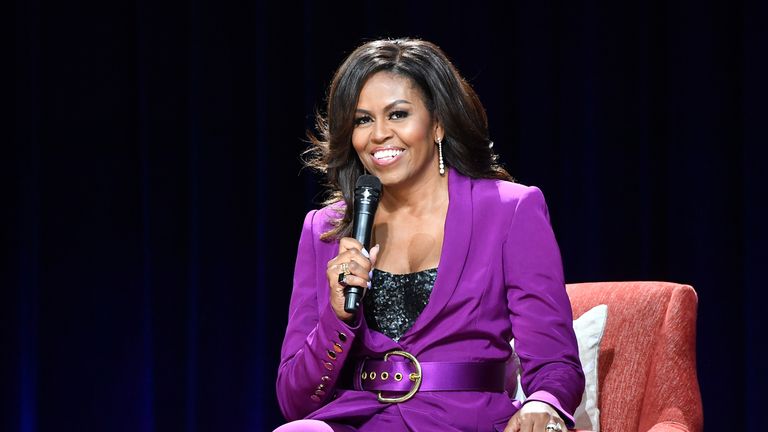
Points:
[[313, 426]]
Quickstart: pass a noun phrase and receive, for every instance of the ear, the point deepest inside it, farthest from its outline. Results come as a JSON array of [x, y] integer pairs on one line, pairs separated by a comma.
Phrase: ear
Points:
[[438, 131]]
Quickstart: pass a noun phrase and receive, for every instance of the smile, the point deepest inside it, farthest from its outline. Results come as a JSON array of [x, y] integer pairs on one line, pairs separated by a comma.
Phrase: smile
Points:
[[387, 156]]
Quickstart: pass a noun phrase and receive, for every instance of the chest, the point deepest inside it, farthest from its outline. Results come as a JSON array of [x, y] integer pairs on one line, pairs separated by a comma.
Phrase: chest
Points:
[[408, 244]]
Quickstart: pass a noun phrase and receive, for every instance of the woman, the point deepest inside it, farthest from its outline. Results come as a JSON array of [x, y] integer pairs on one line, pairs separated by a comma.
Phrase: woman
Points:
[[465, 260]]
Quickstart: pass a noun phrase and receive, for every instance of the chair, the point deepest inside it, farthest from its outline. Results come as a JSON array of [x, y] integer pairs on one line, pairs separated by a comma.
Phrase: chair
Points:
[[647, 357]]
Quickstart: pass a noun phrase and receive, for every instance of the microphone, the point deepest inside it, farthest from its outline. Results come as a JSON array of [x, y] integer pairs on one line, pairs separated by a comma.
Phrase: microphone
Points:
[[367, 193]]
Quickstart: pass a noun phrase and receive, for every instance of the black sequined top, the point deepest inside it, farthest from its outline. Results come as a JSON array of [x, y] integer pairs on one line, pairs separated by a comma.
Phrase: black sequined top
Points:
[[394, 301]]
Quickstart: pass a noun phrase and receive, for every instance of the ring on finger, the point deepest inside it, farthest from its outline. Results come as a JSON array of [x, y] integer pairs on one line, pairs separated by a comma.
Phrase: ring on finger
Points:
[[343, 275], [553, 426], [345, 268]]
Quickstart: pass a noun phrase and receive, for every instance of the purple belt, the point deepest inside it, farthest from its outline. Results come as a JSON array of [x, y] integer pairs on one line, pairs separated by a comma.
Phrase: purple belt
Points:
[[410, 375]]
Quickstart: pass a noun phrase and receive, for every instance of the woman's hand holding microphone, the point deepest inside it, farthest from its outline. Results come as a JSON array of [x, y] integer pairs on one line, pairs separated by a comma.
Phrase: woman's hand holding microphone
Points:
[[350, 267]]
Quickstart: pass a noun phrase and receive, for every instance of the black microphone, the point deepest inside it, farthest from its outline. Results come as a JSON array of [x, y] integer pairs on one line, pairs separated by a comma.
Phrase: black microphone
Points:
[[367, 192]]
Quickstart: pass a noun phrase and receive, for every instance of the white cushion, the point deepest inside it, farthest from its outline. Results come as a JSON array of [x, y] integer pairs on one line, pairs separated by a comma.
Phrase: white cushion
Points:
[[589, 330]]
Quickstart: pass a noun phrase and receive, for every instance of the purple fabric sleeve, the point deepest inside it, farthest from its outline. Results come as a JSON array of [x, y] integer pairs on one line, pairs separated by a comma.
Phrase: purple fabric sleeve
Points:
[[316, 345], [540, 312], [549, 398]]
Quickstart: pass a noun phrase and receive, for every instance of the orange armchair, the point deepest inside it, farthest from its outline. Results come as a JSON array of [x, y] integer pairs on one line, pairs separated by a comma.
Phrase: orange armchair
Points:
[[647, 357]]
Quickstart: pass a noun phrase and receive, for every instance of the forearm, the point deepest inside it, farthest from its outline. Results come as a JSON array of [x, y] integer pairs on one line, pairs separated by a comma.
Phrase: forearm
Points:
[[307, 379], [540, 311]]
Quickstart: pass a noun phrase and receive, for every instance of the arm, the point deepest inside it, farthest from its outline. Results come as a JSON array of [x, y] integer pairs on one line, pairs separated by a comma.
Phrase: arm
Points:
[[540, 312], [307, 376]]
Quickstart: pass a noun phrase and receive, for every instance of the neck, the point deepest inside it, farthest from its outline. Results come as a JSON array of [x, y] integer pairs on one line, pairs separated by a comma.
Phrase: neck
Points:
[[417, 198]]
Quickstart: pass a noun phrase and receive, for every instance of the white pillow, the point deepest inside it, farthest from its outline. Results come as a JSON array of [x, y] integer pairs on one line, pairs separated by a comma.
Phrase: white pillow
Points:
[[589, 330]]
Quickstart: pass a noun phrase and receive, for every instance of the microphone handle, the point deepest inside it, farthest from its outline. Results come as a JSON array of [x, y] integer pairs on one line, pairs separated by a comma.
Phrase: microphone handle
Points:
[[352, 296], [362, 229]]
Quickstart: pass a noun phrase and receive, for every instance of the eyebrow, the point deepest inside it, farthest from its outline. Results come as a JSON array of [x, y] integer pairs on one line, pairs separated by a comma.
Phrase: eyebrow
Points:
[[386, 108]]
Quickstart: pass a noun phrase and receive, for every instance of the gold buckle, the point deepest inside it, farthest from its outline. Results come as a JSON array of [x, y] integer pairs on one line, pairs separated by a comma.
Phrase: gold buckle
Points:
[[413, 376]]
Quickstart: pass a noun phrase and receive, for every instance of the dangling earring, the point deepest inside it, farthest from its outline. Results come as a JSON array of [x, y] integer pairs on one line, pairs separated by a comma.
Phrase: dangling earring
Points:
[[440, 154]]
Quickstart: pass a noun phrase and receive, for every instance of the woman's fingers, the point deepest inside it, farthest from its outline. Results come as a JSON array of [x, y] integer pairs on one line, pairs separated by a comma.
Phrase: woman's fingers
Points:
[[513, 425], [359, 270], [353, 280], [355, 263], [374, 254], [526, 424], [534, 416], [533, 423], [347, 243], [355, 249], [540, 422], [352, 255], [351, 267]]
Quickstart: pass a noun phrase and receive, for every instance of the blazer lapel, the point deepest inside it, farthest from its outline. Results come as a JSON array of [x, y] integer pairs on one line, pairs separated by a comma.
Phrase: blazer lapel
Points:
[[456, 238]]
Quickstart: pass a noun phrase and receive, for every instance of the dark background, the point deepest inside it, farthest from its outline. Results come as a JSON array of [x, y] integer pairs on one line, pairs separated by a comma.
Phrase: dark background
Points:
[[153, 193]]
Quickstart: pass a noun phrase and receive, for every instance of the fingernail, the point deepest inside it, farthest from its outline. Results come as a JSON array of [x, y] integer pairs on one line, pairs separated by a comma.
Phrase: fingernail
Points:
[[365, 253]]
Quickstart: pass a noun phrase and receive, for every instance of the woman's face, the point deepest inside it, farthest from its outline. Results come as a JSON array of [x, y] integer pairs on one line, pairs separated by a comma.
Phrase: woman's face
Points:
[[394, 133]]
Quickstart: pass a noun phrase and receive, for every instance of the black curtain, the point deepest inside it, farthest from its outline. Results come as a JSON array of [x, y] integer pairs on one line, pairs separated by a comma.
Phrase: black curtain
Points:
[[153, 193]]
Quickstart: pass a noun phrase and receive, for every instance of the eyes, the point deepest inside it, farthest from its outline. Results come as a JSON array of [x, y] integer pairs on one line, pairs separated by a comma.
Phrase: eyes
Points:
[[394, 115]]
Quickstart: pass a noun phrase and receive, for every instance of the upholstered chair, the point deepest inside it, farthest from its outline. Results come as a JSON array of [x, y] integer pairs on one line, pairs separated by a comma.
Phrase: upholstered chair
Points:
[[647, 356]]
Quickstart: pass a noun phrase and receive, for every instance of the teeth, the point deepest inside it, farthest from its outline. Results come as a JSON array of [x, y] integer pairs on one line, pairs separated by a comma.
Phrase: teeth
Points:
[[388, 153]]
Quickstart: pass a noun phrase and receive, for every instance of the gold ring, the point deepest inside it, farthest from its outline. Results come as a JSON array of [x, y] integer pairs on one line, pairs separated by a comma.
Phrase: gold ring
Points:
[[345, 269]]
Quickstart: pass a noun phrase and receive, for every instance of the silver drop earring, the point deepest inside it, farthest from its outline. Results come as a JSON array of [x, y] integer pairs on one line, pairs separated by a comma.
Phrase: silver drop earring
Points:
[[440, 154]]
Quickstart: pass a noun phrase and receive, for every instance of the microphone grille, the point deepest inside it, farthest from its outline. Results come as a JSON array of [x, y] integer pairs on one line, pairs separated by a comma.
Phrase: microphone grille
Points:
[[368, 181]]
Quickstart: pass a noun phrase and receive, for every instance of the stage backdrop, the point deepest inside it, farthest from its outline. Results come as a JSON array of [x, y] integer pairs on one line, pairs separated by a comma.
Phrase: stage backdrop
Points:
[[153, 193]]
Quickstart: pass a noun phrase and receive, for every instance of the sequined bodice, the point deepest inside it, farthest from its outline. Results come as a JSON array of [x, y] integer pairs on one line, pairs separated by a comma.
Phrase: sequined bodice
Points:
[[394, 301]]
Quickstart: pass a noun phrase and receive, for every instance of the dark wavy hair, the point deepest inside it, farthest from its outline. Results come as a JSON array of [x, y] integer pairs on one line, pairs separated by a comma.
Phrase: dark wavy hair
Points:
[[447, 96]]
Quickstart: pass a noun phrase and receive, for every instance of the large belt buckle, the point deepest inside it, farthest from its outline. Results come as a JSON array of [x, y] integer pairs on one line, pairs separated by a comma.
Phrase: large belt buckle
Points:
[[413, 376]]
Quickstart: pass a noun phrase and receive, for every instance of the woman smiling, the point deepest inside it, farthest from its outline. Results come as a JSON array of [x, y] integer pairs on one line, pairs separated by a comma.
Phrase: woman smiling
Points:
[[464, 260]]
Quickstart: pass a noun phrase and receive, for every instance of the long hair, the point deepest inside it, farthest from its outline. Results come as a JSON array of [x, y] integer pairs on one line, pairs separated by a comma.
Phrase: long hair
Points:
[[447, 95]]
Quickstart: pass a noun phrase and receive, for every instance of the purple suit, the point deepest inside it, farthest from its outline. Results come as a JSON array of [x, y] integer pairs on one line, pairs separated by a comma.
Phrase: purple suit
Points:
[[499, 277]]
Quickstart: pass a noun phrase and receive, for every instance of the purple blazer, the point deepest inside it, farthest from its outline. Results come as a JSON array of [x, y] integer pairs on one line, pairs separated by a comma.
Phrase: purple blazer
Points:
[[500, 276]]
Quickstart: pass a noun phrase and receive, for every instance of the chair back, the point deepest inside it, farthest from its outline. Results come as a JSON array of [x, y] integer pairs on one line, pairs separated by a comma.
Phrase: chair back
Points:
[[647, 357]]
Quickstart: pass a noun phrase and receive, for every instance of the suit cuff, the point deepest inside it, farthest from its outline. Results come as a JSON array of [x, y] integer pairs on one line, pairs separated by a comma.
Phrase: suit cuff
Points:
[[548, 398], [331, 344]]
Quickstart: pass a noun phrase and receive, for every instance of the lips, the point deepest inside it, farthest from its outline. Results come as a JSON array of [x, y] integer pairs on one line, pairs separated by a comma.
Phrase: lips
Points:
[[387, 156]]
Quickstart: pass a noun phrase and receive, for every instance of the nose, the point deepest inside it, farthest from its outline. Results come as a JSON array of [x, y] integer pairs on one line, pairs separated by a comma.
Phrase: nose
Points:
[[381, 132]]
